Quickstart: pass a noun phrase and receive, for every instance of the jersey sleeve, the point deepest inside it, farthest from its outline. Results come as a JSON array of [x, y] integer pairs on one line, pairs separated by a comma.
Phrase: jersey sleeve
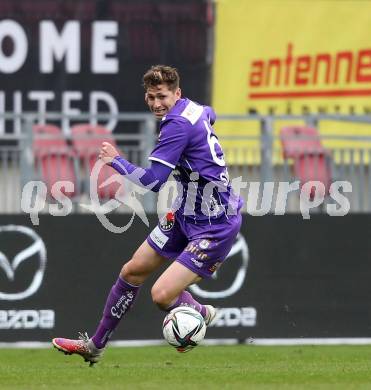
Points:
[[173, 140], [210, 114], [151, 178]]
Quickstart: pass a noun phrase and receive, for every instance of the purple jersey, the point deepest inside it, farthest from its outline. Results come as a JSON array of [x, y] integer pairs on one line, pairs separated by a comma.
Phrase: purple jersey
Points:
[[188, 144]]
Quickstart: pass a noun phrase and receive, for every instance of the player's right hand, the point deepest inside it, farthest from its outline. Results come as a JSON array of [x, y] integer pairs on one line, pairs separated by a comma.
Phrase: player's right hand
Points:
[[107, 152]]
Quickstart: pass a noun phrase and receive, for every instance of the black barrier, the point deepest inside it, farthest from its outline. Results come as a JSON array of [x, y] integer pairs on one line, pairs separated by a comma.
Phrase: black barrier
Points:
[[286, 278]]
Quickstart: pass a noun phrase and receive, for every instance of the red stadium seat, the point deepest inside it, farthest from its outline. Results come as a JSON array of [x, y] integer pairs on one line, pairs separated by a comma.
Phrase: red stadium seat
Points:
[[312, 162], [87, 140], [52, 156], [297, 140], [313, 167]]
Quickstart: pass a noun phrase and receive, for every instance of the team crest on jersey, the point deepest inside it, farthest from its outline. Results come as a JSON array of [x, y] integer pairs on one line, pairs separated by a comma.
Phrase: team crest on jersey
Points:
[[167, 222], [204, 244]]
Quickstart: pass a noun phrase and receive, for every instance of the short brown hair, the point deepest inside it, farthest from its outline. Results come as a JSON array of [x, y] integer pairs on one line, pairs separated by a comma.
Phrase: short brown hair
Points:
[[161, 74]]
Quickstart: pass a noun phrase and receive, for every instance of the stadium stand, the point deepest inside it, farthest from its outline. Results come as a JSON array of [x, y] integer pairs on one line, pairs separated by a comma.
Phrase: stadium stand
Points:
[[87, 140], [53, 158], [311, 161]]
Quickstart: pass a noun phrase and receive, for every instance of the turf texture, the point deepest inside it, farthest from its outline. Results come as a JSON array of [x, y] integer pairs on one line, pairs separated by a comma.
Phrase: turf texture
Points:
[[206, 367]]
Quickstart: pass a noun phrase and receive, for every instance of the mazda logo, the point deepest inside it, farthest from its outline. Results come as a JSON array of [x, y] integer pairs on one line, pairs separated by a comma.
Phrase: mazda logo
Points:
[[9, 266]]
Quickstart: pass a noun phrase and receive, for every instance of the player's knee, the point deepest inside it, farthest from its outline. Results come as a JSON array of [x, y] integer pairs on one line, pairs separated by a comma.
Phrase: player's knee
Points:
[[131, 274], [161, 297]]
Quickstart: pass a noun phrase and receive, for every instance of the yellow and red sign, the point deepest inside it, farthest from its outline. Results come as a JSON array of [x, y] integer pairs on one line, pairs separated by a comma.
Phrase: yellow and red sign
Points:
[[293, 57]]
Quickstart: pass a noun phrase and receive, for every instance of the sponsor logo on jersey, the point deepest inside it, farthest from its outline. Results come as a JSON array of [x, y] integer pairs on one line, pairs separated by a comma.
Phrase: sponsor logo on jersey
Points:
[[215, 266], [158, 237], [197, 263], [195, 250], [192, 112]]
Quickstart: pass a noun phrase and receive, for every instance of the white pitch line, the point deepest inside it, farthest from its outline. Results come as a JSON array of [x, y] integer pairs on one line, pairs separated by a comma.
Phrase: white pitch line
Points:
[[250, 341], [311, 341]]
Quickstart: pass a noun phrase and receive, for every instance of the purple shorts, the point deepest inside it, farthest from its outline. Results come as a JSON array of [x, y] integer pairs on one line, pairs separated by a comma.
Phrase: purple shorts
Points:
[[202, 248]]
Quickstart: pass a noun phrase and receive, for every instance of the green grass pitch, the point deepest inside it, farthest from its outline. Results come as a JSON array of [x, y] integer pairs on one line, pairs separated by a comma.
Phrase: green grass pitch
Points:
[[206, 367]]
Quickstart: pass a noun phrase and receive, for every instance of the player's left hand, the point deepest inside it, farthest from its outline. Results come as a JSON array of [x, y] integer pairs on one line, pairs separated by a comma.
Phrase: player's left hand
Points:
[[107, 153]]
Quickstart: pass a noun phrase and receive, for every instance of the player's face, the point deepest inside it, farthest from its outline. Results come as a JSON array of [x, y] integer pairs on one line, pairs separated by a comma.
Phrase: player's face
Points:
[[161, 99]]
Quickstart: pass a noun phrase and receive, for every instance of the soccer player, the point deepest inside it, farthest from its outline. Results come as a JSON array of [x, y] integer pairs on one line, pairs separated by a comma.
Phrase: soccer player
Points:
[[198, 232]]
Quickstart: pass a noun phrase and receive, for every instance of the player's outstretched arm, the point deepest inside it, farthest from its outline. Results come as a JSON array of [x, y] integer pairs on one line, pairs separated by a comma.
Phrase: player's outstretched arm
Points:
[[152, 178]]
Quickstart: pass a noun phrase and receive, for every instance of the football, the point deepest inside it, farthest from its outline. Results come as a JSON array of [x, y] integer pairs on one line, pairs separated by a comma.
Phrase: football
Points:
[[184, 328]]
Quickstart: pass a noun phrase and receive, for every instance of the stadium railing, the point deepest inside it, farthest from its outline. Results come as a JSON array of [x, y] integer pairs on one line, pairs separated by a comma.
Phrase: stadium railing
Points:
[[255, 159]]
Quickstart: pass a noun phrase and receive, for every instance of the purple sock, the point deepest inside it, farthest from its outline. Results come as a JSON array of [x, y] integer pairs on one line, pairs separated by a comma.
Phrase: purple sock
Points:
[[186, 299], [119, 302]]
